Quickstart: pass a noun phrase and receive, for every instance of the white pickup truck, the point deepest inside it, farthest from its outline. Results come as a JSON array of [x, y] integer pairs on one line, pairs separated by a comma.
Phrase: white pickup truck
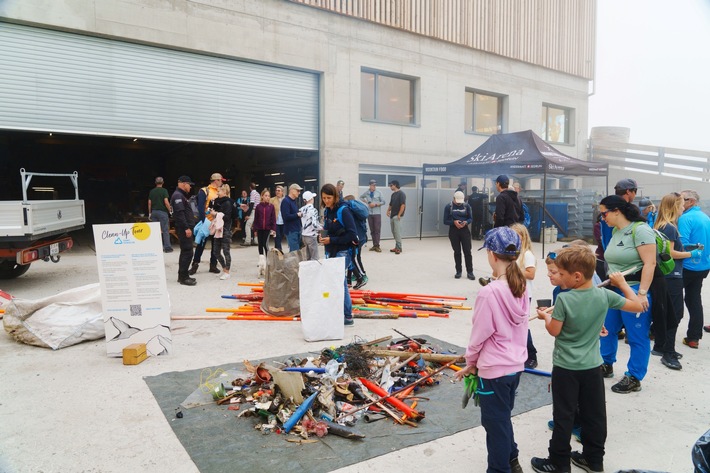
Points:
[[32, 230]]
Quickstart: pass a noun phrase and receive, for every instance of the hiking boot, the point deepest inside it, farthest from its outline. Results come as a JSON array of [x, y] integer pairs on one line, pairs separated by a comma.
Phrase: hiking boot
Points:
[[213, 269], [576, 431], [457, 275], [628, 384], [579, 460], [670, 361], [706, 328], [377, 249], [188, 281], [677, 355], [372, 248], [470, 276], [193, 268], [607, 371], [531, 364], [691, 343], [544, 465], [361, 282], [515, 466]]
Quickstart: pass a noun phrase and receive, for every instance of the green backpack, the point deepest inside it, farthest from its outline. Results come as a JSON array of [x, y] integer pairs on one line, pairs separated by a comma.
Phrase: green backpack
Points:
[[664, 260]]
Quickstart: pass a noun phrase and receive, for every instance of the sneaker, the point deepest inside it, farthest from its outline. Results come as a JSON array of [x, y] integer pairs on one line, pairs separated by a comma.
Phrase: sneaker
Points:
[[515, 466], [670, 361], [193, 268], [470, 276], [706, 328], [576, 431], [188, 281], [691, 343], [607, 371], [621, 334], [656, 352], [678, 355], [373, 248], [531, 364], [628, 384], [349, 322], [213, 269], [579, 460], [225, 276], [377, 249], [360, 282], [457, 275], [167, 250], [544, 465]]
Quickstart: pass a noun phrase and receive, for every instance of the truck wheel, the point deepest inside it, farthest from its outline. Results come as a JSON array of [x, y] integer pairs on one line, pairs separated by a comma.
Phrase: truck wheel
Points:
[[10, 269]]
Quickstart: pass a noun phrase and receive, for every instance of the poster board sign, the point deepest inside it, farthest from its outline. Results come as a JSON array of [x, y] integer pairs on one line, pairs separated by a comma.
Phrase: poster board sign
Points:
[[134, 292]]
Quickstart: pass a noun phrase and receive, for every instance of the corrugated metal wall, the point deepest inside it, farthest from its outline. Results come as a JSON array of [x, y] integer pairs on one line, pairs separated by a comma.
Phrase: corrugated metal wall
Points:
[[63, 82], [556, 34]]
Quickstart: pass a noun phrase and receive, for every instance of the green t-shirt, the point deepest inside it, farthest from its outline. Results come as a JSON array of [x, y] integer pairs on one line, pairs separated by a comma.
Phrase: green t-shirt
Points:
[[621, 253], [156, 196], [582, 313]]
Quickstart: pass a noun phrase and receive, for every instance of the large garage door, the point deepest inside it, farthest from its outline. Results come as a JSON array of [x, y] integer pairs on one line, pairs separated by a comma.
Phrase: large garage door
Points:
[[62, 82]]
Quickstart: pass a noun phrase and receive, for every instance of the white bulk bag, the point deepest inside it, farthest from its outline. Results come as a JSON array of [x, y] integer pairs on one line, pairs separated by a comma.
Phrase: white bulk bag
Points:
[[321, 294]]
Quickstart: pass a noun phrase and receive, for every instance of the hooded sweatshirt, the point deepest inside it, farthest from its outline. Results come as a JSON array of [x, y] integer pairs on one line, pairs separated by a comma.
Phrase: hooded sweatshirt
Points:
[[498, 343], [509, 209]]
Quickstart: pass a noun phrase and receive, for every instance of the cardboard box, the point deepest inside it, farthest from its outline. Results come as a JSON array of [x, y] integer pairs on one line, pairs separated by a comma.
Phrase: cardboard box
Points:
[[134, 354]]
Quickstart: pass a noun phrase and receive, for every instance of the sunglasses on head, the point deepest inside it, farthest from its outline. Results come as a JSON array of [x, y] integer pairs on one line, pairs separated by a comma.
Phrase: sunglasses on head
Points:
[[687, 198], [552, 255]]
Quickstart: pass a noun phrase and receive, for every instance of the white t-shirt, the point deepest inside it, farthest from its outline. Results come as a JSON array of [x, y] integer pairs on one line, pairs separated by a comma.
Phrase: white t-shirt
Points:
[[529, 261]]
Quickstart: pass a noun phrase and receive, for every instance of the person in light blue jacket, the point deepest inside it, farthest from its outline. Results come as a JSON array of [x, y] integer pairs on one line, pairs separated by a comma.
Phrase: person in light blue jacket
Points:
[[694, 229]]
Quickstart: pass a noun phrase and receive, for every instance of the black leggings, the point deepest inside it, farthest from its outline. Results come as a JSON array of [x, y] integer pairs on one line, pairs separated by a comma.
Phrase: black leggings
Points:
[[263, 239]]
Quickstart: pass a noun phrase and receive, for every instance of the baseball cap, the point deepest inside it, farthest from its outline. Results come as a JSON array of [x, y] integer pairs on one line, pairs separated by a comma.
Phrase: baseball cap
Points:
[[458, 197], [186, 179], [295, 186], [372, 181], [216, 177], [645, 202], [503, 179], [502, 241], [626, 184], [308, 195]]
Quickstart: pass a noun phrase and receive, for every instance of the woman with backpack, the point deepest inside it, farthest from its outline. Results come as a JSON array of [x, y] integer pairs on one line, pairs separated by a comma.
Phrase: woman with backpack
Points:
[[632, 248], [341, 240], [360, 214]]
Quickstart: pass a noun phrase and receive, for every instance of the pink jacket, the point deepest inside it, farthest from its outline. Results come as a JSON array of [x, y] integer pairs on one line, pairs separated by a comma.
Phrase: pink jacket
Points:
[[498, 343]]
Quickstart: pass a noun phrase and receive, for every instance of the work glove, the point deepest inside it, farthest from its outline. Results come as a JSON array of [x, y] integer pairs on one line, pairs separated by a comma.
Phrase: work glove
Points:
[[470, 382], [697, 253]]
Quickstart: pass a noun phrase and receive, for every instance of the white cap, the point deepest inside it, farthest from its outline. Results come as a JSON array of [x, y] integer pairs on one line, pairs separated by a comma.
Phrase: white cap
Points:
[[308, 195], [458, 197]]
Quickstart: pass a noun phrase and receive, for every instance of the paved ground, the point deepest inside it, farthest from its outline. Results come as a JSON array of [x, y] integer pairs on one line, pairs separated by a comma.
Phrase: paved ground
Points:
[[77, 410]]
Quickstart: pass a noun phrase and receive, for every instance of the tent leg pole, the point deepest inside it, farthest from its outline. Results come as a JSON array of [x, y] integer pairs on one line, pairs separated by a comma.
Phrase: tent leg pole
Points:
[[544, 208]]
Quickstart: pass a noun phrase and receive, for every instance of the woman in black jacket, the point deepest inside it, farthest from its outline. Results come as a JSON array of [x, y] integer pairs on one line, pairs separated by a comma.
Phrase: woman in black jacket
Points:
[[458, 216], [341, 240], [221, 243]]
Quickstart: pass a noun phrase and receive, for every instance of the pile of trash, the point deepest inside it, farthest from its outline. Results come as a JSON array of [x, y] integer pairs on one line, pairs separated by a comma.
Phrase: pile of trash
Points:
[[331, 392]]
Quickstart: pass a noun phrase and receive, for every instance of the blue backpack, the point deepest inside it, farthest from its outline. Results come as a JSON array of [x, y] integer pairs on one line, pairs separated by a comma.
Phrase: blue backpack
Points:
[[360, 213], [526, 214]]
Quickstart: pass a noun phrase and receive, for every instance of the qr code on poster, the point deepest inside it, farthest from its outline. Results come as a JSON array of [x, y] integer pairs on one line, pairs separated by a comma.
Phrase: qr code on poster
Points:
[[136, 310]]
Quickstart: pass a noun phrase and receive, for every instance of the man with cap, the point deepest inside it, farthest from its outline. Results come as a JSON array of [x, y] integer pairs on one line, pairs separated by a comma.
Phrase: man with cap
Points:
[[373, 198], [477, 202], [509, 207], [648, 211], [458, 215], [205, 197], [292, 217], [395, 211], [158, 211], [184, 223], [694, 229], [339, 187], [626, 189]]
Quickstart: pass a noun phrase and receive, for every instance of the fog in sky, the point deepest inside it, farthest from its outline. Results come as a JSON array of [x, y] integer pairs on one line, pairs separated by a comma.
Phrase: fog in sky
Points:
[[653, 71]]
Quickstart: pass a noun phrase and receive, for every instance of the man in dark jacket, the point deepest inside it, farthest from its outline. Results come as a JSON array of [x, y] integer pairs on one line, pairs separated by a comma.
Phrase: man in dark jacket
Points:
[[184, 223], [509, 208], [477, 200], [292, 217]]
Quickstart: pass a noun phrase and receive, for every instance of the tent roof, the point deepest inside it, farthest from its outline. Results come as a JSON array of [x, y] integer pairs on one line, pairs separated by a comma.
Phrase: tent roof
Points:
[[517, 153]]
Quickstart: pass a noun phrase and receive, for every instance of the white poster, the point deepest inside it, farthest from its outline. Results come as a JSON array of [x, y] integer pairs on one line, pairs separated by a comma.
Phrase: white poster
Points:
[[134, 293]]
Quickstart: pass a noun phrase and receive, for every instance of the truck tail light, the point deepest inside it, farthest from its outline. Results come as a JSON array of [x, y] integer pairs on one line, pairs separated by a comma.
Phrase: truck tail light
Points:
[[27, 256]]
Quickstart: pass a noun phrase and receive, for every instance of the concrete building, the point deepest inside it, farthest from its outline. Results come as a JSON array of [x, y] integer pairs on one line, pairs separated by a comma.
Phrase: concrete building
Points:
[[307, 91]]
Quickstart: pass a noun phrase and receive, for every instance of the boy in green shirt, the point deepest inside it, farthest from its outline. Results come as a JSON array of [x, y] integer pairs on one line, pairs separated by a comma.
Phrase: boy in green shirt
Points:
[[576, 323]]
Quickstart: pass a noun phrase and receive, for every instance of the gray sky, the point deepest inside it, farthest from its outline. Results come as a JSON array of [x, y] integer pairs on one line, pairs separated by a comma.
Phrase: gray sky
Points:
[[653, 71]]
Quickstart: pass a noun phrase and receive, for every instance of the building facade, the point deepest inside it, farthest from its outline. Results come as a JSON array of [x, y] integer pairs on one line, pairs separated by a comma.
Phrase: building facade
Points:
[[353, 90]]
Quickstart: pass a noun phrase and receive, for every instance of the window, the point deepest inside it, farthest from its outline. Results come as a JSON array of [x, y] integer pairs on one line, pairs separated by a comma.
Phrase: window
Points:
[[484, 113], [556, 124], [364, 179], [386, 98], [404, 180]]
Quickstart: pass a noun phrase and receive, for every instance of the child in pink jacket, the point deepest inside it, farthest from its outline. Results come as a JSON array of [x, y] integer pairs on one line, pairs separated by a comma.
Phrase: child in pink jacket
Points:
[[497, 348]]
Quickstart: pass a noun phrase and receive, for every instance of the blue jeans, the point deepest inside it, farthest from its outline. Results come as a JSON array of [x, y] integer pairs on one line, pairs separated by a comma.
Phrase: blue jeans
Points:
[[347, 302], [279, 236], [162, 217], [497, 399], [294, 240], [637, 326]]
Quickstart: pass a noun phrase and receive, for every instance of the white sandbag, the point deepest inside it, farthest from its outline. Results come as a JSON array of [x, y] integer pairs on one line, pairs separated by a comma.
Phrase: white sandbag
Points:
[[321, 294], [57, 321]]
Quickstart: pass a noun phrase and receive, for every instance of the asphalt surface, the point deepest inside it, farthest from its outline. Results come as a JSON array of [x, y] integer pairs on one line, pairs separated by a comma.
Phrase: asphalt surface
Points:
[[76, 410]]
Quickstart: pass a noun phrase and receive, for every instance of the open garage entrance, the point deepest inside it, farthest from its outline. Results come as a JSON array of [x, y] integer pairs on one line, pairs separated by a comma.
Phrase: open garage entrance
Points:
[[116, 173]]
